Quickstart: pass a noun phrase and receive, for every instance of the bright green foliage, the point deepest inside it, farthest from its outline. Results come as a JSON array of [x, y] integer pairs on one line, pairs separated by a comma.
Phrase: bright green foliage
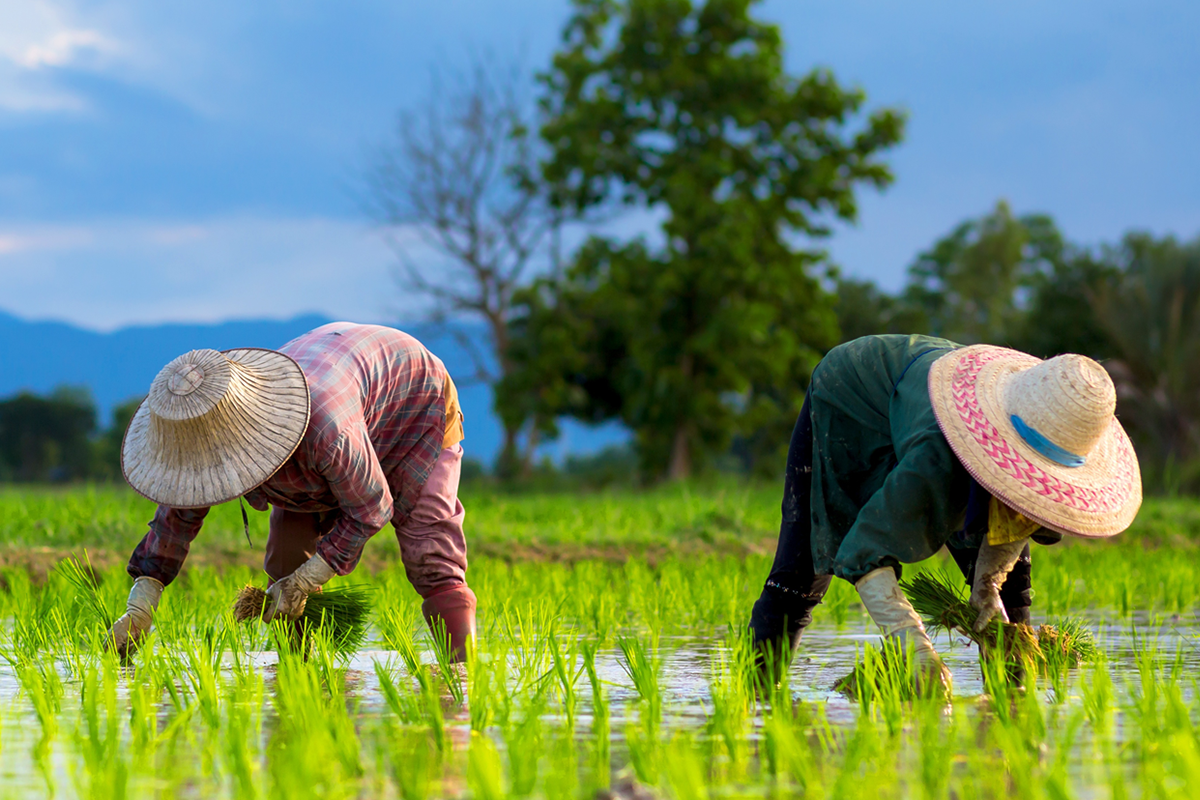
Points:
[[685, 110]]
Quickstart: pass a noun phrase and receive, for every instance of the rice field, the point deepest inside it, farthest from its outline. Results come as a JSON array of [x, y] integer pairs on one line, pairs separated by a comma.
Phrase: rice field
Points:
[[612, 662]]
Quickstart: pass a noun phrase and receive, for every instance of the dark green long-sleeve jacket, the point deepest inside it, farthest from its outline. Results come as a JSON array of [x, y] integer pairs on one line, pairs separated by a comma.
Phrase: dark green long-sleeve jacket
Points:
[[886, 489]]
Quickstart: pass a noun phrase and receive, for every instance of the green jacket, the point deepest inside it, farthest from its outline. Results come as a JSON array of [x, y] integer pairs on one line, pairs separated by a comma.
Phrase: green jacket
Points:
[[887, 489]]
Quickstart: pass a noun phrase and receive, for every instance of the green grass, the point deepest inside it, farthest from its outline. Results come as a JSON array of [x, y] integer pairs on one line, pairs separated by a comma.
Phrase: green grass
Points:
[[591, 671]]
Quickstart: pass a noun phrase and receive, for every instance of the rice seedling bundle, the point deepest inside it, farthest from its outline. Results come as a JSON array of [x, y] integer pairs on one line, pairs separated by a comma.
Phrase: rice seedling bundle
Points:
[[341, 612], [943, 603]]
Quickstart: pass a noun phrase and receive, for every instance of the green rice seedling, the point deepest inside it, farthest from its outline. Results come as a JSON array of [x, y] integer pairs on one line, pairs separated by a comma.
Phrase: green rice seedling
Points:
[[486, 678], [566, 675], [243, 703], [413, 761], [202, 657], [601, 755], [684, 769], [643, 666], [529, 628], [44, 689], [885, 675], [935, 740], [788, 757], [316, 750], [562, 769], [733, 699], [99, 738], [398, 634], [82, 578], [524, 740], [452, 676], [400, 698], [485, 773], [345, 610]]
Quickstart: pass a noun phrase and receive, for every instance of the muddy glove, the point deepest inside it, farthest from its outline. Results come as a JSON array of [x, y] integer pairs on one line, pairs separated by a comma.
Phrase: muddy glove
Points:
[[992, 566], [138, 617], [895, 616], [287, 596]]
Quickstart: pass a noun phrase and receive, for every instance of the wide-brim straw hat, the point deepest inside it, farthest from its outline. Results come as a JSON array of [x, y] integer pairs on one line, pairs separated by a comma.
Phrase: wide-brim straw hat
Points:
[[214, 426], [1041, 436]]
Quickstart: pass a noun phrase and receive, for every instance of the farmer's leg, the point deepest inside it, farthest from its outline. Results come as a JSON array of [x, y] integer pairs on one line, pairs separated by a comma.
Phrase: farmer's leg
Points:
[[784, 609], [1017, 592], [293, 539], [434, 551]]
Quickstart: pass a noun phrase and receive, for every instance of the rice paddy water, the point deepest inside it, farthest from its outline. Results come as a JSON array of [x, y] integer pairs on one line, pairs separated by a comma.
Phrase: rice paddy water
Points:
[[594, 675]]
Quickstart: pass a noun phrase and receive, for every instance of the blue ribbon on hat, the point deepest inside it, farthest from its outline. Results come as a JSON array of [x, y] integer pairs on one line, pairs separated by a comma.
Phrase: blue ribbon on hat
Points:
[[1046, 447]]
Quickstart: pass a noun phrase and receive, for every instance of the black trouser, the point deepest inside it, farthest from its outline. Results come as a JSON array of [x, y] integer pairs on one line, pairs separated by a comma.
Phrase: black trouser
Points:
[[793, 589]]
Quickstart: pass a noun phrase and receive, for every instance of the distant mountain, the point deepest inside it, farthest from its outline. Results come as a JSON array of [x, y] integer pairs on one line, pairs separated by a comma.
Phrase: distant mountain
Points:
[[38, 356]]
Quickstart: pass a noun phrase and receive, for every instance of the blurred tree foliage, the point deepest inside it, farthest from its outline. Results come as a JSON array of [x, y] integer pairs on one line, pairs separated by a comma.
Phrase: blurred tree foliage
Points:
[[1150, 312], [107, 461], [686, 110], [974, 285], [47, 438], [1014, 281], [54, 438]]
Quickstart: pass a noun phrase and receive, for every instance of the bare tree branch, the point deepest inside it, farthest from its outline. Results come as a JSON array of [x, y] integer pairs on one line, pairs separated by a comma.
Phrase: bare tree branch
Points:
[[460, 176]]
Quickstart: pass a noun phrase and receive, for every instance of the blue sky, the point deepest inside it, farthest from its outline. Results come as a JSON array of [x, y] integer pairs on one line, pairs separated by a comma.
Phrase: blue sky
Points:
[[199, 161]]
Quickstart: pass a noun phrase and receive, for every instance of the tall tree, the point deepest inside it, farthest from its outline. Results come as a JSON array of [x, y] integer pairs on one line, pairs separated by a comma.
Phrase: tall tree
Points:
[[685, 110], [459, 182], [974, 284]]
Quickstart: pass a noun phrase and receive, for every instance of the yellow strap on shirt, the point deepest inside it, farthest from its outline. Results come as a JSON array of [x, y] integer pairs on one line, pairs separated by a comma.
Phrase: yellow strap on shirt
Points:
[[454, 416], [1008, 525]]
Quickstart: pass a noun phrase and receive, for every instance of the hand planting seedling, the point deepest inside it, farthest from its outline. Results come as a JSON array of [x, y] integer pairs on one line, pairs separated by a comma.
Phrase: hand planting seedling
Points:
[[342, 612], [938, 598]]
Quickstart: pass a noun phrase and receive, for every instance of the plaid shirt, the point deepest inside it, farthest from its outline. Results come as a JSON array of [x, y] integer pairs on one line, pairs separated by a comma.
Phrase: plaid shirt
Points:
[[377, 426]]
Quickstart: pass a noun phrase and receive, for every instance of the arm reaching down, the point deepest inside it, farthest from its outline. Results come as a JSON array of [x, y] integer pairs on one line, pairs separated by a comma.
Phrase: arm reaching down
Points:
[[991, 569], [138, 617]]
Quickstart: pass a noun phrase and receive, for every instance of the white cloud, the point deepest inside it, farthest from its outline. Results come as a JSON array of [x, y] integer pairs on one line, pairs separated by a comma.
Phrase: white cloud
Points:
[[107, 275], [39, 36], [65, 47]]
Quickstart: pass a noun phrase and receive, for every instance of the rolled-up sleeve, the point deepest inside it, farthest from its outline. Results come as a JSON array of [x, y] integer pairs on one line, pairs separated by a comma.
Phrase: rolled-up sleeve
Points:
[[361, 489], [162, 551]]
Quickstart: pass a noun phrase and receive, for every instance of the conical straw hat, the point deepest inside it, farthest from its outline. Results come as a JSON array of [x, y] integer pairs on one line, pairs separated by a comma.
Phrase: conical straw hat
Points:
[[214, 426], [1040, 436]]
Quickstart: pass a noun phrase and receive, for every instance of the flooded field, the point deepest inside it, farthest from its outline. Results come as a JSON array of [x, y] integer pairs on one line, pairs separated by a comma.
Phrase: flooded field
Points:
[[570, 695], [611, 663]]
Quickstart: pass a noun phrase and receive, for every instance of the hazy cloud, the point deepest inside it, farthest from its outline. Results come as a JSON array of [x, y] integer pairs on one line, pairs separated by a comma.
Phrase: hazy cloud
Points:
[[107, 275]]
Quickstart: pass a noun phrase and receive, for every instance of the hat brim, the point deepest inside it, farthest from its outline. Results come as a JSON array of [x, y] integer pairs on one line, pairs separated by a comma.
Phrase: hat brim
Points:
[[228, 453], [1096, 500]]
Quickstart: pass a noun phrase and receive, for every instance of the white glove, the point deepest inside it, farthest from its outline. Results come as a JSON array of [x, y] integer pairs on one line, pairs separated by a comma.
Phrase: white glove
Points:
[[895, 616], [287, 596], [991, 568], [138, 617]]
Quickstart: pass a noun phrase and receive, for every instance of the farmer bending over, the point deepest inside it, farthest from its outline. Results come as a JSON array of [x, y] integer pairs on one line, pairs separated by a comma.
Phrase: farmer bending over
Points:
[[341, 431], [908, 443]]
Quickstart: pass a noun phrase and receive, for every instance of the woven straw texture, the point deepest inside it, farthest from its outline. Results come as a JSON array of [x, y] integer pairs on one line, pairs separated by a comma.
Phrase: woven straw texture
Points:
[[214, 426], [1070, 400]]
